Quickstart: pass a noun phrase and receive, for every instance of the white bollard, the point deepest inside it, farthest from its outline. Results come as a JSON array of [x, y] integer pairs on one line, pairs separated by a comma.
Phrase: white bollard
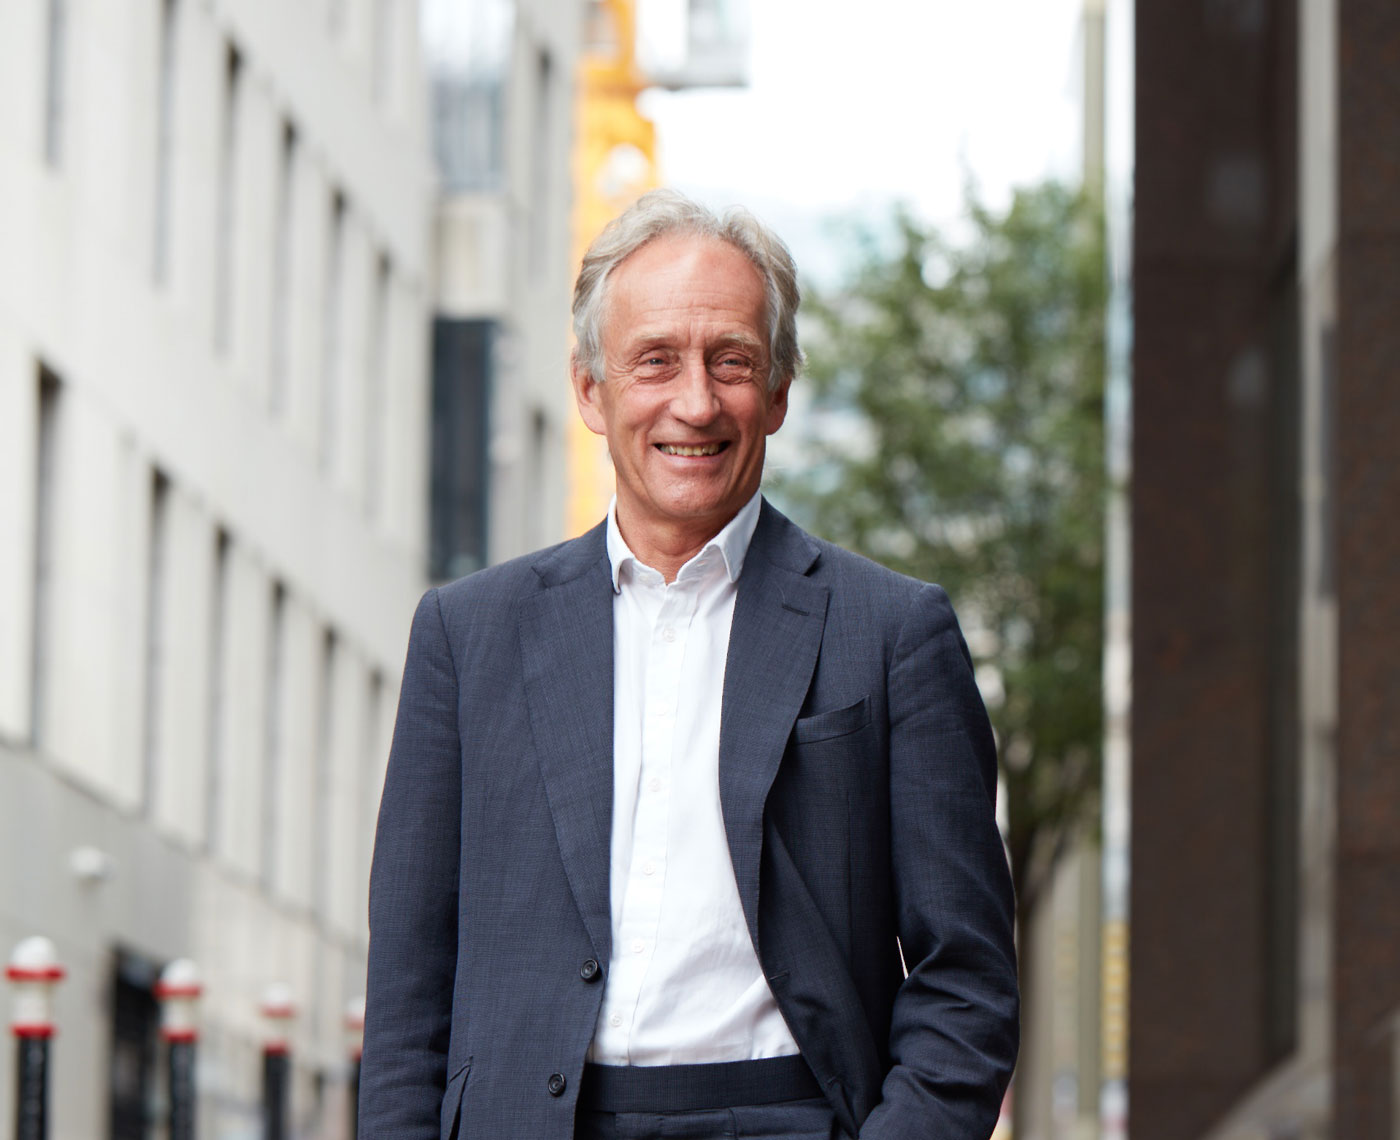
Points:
[[34, 971]]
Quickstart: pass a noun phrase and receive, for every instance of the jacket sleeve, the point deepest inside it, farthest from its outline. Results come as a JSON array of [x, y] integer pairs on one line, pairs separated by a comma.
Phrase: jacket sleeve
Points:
[[954, 1029], [413, 898]]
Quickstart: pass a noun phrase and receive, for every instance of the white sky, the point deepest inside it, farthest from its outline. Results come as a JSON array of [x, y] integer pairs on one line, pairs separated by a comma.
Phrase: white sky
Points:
[[852, 106]]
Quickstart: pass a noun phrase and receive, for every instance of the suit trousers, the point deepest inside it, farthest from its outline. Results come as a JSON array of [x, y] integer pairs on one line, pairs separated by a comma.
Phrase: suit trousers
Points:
[[787, 1120]]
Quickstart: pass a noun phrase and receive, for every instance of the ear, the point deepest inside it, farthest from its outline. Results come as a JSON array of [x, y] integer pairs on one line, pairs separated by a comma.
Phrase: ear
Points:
[[588, 396], [777, 406]]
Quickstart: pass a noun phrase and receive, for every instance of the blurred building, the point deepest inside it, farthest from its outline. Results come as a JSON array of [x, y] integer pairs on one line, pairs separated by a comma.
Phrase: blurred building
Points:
[[1265, 993], [503, 93], [214, 307], [1069, 1078]]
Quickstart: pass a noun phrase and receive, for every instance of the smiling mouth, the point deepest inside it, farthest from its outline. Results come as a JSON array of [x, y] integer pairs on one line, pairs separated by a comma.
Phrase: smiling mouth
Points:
[[692, 451]]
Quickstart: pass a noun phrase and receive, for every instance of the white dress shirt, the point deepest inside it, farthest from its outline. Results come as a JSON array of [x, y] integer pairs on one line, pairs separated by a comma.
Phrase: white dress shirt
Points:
[[684, 984]]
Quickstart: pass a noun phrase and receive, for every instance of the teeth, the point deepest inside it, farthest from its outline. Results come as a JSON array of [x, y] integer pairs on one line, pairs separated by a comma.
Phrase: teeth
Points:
[[674, 449]]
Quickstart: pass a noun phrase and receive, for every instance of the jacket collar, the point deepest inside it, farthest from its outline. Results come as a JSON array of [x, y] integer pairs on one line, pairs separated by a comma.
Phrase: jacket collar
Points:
[[566, 634], [774, 641]]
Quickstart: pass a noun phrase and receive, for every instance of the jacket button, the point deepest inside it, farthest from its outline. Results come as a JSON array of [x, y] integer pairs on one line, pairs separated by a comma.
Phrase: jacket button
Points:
[[590, 970], [556, 1084]]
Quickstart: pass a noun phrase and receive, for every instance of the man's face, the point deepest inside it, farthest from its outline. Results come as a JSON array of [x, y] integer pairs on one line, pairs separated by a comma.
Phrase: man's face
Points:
[[685, 404]]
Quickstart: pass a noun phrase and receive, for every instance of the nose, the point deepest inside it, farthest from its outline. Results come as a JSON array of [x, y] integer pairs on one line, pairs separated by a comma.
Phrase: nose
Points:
[[694, 399]]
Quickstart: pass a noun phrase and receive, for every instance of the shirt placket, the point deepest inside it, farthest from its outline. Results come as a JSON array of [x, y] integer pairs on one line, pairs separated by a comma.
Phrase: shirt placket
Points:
[[669, 630]]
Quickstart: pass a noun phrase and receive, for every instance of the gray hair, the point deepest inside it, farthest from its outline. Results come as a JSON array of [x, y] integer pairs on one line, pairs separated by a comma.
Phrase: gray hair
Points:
[[662, 212]]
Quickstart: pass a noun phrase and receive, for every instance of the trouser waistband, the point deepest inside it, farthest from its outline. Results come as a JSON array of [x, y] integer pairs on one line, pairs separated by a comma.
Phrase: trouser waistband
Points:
[[694, 1088]]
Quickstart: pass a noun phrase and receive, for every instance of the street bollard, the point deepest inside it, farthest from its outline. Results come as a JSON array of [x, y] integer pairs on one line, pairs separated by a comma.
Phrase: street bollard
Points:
[[277, 1011], [355, 1043], [178, 992], [34, 971]]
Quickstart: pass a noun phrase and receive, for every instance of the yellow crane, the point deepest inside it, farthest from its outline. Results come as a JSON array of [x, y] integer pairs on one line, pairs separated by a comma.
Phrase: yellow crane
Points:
[[614, 163]]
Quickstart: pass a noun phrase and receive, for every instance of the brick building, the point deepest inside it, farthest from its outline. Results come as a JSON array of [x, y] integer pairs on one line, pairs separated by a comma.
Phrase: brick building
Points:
[[1266, 585]]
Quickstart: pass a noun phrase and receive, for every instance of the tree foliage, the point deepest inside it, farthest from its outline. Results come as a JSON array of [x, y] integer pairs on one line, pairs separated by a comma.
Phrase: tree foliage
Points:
[[961, 389]]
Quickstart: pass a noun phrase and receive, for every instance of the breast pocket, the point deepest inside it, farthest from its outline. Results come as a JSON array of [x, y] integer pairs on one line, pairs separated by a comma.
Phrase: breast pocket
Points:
[[833, 723]]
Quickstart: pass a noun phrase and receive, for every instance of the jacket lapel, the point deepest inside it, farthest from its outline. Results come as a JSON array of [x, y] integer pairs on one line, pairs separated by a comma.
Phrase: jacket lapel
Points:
[[774, 640], [566, 641]]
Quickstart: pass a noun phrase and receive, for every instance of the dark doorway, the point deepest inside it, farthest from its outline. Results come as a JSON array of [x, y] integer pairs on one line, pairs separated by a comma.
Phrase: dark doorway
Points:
[[132, 1083]]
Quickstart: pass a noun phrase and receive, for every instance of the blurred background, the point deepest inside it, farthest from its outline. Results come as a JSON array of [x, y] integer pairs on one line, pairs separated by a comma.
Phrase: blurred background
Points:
[[1101, 316]]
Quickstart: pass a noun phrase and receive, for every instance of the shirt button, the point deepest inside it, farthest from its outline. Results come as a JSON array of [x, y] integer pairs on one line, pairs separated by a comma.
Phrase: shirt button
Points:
[[638, 946], [648, 868], [668, 634], [615, 1020], [590, 970], [556, 1084], [654, 784]]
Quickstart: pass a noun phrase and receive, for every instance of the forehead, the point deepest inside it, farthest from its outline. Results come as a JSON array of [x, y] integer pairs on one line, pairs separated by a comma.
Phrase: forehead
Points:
[[681, 279]]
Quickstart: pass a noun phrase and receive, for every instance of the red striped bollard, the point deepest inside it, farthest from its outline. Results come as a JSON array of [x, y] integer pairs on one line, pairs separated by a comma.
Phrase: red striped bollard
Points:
[[33, 971], [178, 992], [278, 1011]]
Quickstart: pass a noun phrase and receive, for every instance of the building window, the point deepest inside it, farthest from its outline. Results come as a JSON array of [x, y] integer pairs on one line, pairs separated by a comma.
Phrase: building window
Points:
[[45, 526], [542, 172], [156, 657], [272, 744], [376, 378], [535, 469], [322, 804], [281, 291], [462, 356], [467, 53], [55, 81], [331, 331], [227, 189], [217, 674], [371, 762], [165, 139], [382, 47]]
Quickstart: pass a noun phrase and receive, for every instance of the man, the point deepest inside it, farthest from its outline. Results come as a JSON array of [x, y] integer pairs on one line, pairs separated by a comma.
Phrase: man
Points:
[[671, 807]]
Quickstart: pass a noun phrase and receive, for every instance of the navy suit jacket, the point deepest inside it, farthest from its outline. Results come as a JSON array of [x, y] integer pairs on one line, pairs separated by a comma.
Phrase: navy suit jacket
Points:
[[857, 778]]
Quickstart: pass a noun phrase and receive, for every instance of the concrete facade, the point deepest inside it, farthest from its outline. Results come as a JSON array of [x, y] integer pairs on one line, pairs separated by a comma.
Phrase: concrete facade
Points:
[[1266, 737], [214, 306], [502, 247]]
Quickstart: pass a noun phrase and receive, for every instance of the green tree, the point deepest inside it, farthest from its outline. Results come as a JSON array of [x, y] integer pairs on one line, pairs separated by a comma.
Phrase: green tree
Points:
[[960, 385]]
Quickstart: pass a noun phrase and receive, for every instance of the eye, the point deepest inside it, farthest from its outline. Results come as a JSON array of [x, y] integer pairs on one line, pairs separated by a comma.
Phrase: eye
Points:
[[652, 364], [731, 367]]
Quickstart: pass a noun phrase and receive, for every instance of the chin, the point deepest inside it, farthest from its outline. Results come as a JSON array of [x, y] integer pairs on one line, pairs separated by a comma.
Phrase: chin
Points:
[[691, 512]]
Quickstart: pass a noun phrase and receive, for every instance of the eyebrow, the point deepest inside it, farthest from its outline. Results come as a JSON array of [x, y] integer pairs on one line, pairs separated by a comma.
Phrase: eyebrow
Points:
[[648, 341], [739, 340], [651, 340]]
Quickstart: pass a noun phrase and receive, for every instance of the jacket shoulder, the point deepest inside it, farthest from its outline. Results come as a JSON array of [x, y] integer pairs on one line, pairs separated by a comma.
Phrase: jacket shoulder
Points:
[[503, 585], [871, 601], [846, 571], [857, 569]]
